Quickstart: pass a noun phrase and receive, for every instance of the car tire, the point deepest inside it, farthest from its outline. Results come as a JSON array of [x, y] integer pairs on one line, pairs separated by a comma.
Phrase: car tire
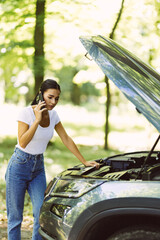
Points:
[[136, 233]]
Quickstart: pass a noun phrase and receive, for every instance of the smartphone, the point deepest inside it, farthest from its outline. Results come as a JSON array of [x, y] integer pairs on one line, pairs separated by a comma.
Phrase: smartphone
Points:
[[40, 98]]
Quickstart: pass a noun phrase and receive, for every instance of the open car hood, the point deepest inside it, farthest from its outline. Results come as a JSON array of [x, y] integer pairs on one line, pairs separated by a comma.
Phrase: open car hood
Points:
[[139, 82]]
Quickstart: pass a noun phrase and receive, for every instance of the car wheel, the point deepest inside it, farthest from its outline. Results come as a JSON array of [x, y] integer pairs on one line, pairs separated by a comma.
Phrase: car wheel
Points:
[[136, 233]]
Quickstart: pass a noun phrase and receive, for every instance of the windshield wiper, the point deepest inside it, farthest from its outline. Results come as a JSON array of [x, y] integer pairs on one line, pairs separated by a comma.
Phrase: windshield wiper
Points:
[[148, 156]]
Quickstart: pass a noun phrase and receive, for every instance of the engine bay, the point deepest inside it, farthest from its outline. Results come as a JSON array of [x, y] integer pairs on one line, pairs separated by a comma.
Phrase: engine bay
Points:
[[126, 166]]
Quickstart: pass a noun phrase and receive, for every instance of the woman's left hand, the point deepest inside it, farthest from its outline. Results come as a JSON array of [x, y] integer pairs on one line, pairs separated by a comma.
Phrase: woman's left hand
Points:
[[92, 164]]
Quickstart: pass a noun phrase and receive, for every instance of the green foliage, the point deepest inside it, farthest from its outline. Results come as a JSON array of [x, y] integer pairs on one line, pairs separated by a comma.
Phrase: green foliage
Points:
[[64, 23], [6, 148], [89, 89], [139, 34], [65, 76], [63, 19]]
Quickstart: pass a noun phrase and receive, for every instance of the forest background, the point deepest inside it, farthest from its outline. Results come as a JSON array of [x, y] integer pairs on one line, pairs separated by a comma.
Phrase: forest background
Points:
[[39, 40]]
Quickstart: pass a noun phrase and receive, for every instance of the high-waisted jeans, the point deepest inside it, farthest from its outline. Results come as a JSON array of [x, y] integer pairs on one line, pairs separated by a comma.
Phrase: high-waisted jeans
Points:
[[25, 172]]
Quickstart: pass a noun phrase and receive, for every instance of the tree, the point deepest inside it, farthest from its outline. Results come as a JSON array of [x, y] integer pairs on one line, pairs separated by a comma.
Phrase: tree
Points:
[[39, 56], [108, 101]]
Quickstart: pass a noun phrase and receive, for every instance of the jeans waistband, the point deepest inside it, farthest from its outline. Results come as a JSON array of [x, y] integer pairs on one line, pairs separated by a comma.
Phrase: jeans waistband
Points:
[[25, 154]]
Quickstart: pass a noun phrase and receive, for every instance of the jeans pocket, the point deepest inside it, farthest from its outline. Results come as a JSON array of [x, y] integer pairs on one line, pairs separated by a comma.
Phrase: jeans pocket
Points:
[[20, 159]]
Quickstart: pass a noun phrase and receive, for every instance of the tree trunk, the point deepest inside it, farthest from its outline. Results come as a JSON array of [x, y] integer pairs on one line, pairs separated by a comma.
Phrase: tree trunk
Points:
[[108, 101], [39, 44], [75, 94], [107, 112]]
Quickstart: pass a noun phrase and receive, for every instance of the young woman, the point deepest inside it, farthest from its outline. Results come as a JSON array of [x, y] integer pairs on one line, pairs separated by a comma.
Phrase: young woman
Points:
[[25, 171]]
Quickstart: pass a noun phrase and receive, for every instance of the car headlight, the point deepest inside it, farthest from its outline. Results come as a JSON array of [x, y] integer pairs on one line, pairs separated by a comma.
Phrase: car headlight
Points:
[[73, 188], [59, 209]]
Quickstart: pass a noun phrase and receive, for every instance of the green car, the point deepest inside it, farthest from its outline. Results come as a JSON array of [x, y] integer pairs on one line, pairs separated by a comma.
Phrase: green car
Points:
[[120, 200]]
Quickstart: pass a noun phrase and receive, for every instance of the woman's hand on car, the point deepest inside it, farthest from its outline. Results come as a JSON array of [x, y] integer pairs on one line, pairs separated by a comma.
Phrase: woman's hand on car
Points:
[[92, 164]]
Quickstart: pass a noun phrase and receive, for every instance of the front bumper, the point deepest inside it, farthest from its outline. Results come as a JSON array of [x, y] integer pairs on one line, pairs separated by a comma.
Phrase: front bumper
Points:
[[52, 226], [44, 235]]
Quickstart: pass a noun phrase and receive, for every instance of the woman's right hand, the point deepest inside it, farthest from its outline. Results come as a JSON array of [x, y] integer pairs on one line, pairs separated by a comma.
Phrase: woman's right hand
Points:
[[38, 110]]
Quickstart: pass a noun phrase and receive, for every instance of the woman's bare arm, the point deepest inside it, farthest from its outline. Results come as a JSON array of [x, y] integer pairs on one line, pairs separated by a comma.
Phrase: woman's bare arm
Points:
[[69, 143], [25, 134]]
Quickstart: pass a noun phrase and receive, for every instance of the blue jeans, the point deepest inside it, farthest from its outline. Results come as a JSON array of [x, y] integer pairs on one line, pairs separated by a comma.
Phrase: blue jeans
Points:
[[25, 172]]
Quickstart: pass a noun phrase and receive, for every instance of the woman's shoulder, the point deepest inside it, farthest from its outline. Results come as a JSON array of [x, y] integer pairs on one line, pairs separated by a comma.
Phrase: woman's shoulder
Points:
[[26, 109], [53, 113], [25, 112]]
